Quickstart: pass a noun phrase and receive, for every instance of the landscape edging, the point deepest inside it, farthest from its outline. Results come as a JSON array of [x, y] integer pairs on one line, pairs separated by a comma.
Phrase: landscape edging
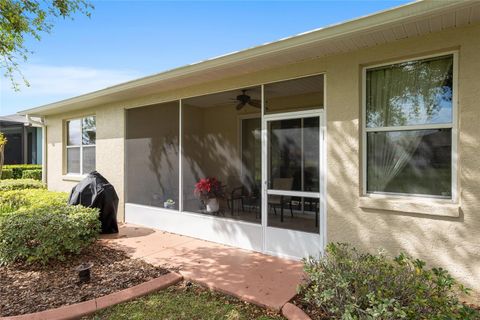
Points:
[[81, 309], [292, 312]]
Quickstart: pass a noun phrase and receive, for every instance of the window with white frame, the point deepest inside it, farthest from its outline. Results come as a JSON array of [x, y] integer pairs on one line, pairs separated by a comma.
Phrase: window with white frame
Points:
[[409, 126], [81, 138]]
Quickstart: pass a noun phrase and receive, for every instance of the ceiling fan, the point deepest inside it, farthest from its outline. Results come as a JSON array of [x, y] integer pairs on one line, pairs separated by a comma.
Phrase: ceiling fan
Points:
[[244, 99]]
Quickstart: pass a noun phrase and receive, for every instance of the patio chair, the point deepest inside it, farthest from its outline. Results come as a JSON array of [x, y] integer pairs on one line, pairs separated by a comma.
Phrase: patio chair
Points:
[[236, 195], [279, 201], [252, 199]]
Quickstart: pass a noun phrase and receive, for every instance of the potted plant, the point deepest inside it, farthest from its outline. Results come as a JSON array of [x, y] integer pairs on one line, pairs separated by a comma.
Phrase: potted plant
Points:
[[169, 204], [209, 190]]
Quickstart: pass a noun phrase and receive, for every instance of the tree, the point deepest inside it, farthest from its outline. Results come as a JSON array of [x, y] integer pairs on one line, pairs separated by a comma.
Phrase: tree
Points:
[[3, 142], [20, 19]]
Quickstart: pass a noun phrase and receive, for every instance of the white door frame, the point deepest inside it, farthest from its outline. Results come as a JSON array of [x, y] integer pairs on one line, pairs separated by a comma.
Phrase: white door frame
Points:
[[313, 242]]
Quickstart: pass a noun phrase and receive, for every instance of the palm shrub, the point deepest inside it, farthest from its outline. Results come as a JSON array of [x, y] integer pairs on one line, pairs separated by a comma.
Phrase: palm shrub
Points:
[[46, 233], [348, 284]]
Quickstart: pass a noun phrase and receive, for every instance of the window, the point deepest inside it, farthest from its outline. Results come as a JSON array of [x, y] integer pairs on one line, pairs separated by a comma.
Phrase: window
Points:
[[409, 125], [81, 137]]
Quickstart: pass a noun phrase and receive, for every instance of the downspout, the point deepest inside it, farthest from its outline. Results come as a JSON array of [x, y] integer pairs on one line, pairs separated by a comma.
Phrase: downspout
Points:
[[42, 124]]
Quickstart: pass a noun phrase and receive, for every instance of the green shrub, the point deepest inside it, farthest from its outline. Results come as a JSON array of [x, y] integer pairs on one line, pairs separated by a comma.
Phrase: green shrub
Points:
[[32, 174], [16, 184], [14, 200], [47, 233], [7, 173], [347, 284], [18, 169]]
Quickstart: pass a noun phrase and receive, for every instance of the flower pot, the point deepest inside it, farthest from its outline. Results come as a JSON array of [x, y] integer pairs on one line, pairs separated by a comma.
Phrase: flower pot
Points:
[[212, 205], [169, 205]]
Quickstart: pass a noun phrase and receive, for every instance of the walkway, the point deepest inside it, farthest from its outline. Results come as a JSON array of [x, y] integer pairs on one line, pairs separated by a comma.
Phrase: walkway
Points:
[[254, 277]]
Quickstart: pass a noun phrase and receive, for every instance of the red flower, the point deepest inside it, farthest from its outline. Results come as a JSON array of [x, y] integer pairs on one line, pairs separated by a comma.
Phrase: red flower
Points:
[[208, 188]]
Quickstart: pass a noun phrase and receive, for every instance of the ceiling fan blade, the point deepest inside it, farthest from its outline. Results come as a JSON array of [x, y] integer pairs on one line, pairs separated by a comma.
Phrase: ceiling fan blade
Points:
[[240, 105], [255, 103]]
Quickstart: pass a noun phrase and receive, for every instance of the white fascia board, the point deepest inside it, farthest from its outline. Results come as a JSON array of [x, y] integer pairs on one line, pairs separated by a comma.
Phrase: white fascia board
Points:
[[371, 22]]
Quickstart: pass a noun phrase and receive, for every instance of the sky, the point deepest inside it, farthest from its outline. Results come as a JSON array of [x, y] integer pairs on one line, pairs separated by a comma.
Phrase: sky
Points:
[[125, 40]]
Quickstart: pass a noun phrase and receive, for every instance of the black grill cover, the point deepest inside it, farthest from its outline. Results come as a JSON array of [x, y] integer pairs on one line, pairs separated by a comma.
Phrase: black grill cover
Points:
[[96, 192]]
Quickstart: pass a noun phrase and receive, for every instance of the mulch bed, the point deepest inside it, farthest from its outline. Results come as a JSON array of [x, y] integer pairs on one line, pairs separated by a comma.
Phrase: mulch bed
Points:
[[34, 288], [313, 312]]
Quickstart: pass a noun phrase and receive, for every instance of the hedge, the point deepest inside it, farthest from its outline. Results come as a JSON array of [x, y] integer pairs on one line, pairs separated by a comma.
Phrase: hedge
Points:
[[17, 184], [14, 200], [7, 174], [47, 233], [37, 225], [32, 174], [19, 168]]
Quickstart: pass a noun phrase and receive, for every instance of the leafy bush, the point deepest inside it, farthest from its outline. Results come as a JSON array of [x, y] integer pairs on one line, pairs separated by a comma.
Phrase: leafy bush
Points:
[[347, 284], [14, 200], [18, 169], [7, 174], [32, 174], [17, 184], [42, 234]]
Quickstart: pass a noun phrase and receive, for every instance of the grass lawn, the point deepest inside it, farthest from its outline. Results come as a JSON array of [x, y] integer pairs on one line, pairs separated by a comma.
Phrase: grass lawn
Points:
[[185, 302]]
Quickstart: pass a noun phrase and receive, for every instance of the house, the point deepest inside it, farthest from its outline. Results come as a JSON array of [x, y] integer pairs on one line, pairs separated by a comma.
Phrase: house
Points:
[[364, 132], [24, 144]]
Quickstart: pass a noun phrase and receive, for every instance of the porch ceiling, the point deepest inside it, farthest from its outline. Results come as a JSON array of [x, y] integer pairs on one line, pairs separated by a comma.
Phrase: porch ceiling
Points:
[[411, 20]]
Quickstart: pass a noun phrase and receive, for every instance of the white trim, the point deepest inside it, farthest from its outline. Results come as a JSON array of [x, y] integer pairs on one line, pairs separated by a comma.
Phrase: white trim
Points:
[[455, 129], [295, 244], [302, 155], [293, 114], [411, 59], [322, 216], [180, 155], [73, 177], [194, 214], [264, 183], [406, 195], [454, 125], [305, 194], [411, 128], [364, 132]]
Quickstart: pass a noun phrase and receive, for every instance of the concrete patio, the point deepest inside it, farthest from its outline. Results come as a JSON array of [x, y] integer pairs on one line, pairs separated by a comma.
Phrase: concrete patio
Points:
[[257, 278]]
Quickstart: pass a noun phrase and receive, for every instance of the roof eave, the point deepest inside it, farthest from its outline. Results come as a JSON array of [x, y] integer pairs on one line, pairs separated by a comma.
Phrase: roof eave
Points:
[[370, 22]]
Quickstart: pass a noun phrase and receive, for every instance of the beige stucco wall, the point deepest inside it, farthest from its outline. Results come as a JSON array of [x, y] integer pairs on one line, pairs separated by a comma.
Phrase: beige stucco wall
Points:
[[109, 149], [443, 234]]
